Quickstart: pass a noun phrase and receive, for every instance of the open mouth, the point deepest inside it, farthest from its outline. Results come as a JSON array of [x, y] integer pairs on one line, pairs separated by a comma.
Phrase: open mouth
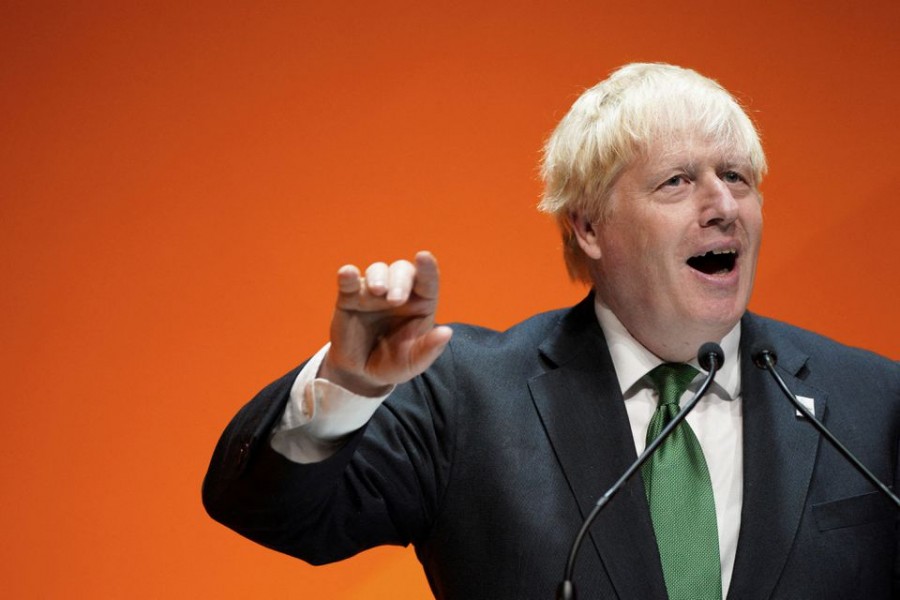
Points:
[[714, 262]]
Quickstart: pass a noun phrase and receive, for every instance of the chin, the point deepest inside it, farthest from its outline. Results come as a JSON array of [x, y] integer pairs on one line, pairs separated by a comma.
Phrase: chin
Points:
[[719, 316]]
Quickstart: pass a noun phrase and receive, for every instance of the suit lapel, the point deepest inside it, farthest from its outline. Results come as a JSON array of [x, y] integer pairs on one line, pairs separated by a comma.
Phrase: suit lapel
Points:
[[779, 456], [581, 407]]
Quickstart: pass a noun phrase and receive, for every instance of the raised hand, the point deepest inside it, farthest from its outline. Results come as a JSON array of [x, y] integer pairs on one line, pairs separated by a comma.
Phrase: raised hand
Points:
[[382, 331]]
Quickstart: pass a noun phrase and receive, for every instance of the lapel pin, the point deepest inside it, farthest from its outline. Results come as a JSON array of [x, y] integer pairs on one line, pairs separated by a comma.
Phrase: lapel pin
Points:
[[809, 403]]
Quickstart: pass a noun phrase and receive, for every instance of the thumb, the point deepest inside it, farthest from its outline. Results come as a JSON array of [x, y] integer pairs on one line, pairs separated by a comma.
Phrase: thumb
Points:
[[429, 347]]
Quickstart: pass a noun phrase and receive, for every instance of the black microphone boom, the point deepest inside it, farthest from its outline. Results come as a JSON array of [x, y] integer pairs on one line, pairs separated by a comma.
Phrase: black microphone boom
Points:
[[710, 357], [765, 359]]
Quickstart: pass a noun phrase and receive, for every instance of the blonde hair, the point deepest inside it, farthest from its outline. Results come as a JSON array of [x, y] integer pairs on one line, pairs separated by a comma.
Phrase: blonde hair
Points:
[[613, 122]]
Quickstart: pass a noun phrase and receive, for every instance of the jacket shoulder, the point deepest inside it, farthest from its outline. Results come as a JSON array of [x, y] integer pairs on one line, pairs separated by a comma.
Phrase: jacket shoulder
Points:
[[532, 329], [816, 349]]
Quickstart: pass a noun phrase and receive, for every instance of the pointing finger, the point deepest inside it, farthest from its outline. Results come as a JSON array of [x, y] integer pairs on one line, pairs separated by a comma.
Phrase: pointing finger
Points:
[[427, 276]]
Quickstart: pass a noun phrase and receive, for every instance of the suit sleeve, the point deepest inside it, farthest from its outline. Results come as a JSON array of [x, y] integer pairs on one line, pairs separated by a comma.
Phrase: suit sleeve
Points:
[[382, 487]]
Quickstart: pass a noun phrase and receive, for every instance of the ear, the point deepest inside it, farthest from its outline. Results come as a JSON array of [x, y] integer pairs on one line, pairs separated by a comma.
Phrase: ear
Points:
[[586, 233]]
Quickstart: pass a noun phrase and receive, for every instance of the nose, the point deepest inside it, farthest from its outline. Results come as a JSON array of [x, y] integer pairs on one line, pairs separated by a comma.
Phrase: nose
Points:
[[718, 206]]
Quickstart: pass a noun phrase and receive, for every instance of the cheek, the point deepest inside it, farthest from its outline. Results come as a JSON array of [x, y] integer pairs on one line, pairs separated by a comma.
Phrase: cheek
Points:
[[752, 219], [616, 262], [635, 266], [623, 253]]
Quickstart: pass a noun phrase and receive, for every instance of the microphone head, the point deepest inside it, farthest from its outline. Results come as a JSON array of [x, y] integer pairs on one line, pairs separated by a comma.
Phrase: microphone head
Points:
[[762, 354], [709, 352]]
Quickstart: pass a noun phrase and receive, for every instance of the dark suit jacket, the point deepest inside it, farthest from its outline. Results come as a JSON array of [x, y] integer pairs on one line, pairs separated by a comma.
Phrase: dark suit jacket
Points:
[[489, 461]]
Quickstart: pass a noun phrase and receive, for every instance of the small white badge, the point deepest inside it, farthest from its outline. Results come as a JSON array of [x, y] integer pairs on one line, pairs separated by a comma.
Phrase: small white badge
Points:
[[809, 403]]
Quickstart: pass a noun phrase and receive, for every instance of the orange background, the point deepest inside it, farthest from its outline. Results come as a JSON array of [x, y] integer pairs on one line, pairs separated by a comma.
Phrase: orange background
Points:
[[180, 182]]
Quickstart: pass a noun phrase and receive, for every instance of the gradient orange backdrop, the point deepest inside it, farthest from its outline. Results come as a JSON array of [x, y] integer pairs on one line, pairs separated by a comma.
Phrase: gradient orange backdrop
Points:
[[180, 182]]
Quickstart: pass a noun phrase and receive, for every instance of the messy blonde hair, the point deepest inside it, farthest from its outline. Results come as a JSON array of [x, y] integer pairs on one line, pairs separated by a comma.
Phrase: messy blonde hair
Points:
[[610, 124]]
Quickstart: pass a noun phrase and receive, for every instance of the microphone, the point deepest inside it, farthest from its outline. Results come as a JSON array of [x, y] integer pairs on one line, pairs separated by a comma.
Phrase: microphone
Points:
[[710, 357], [765, 359]]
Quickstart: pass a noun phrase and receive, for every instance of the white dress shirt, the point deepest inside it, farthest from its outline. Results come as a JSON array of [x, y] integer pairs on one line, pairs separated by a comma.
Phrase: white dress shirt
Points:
[[320, 414]]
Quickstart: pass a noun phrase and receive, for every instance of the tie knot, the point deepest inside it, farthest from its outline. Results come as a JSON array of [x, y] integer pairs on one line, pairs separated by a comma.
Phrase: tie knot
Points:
[[671, 380]]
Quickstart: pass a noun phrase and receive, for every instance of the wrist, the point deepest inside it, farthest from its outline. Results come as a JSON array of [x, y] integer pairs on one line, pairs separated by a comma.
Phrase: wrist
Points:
[[354, 383]]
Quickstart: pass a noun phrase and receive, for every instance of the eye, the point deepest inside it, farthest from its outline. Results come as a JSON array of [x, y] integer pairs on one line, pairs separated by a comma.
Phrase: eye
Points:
[[733, 177], [674, 181]]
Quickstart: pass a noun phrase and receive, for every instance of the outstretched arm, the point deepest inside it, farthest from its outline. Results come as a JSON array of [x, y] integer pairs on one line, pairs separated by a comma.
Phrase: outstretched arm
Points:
[[383, 333]]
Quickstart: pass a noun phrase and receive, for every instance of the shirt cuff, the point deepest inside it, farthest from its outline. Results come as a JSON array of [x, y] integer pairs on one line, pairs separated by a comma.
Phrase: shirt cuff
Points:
[[319, 415]]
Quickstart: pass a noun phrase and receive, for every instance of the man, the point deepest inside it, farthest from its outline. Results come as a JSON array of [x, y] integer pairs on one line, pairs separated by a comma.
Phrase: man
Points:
[[490, 448]]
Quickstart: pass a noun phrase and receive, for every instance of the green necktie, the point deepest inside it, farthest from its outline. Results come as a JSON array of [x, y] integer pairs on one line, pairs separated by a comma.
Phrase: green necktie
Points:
[[680, 495]]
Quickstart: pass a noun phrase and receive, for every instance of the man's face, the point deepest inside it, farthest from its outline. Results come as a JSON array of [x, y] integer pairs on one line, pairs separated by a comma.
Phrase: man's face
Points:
[[676, 253]]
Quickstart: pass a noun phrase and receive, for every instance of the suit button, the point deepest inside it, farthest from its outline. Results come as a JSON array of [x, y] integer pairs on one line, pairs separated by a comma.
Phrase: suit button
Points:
[[243, 454]]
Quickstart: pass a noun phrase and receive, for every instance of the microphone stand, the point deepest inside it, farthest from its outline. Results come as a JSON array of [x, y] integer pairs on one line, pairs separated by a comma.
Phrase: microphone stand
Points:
[[765, 360]]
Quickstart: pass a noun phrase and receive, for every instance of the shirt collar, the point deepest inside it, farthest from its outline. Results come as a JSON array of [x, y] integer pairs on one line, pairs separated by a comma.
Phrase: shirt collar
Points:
[[632, 360]]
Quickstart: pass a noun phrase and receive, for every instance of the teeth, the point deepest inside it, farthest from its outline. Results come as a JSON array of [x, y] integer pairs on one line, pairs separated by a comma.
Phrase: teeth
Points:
[[722, 251]]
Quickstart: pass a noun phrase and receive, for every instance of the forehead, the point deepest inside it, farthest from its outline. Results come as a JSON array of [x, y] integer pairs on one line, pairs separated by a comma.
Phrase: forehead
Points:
[[688, 149]]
